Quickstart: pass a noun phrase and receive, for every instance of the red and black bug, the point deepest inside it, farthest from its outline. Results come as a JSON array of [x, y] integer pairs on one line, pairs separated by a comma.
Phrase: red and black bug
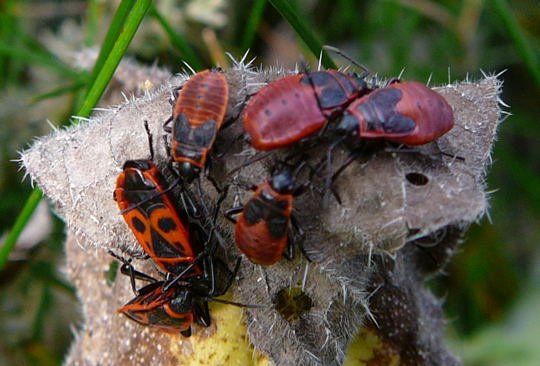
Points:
[[408, 113], [297, 106], [194, 276], [150, 214], [198, 114], [172, 306], [173, 311], [261, 231]]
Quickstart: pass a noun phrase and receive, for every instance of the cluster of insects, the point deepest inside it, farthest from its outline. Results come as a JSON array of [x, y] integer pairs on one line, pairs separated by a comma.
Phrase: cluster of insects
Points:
[[306, 106]]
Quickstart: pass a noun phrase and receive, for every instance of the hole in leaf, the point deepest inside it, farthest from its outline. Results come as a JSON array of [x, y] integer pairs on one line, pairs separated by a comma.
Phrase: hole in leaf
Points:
[[291, 303], [418, 179]]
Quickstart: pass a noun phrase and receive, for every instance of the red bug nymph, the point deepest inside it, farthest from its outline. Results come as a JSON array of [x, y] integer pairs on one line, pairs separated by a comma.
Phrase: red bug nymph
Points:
[[261, 231], [198, 114], [408, 113], [297, 106]]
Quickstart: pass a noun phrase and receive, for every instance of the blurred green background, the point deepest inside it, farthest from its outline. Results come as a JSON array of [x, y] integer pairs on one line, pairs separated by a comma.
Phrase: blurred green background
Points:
[[492, 287]]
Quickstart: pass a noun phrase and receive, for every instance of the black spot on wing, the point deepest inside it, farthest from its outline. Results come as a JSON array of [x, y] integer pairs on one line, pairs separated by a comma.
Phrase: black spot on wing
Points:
[[166, 224], [139, 225]]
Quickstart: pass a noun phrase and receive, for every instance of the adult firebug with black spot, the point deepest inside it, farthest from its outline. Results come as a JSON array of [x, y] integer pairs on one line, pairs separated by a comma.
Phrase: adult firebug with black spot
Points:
[[172, 306], [173, 311], [152, 217]]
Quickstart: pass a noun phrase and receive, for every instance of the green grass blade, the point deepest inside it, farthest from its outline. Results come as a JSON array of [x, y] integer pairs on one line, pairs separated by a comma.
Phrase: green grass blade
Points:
[[117, 52], [94, 94], [112, 35], [518, 37], [300, 26], [181, 45], [20, 223], [252, 25]]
